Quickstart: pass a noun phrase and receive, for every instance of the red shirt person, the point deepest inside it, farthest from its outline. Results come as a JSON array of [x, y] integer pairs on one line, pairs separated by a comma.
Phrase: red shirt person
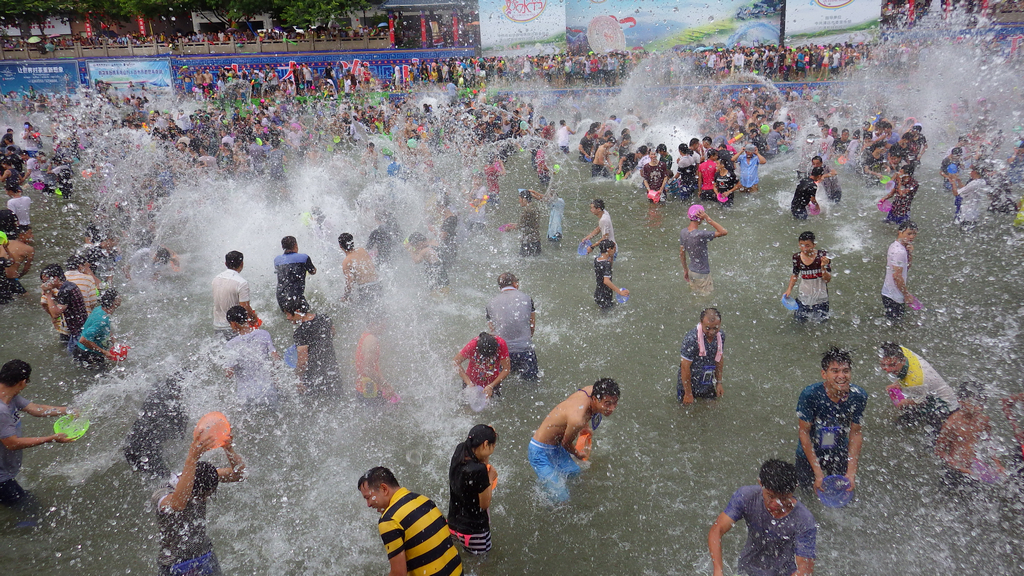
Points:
[[489, 362]]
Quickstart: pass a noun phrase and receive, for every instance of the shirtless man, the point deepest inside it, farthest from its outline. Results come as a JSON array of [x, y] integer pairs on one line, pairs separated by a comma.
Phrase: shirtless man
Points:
[[961, 444], [602, 160], [370, 382], [359, 271], [556, 439], [16, 258]]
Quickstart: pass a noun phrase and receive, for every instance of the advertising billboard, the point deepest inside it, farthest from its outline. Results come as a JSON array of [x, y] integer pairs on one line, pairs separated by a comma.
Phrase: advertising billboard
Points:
[[509, 27], [832, 20], [59, 77], [606, 25], [49, 27], [126, 75]]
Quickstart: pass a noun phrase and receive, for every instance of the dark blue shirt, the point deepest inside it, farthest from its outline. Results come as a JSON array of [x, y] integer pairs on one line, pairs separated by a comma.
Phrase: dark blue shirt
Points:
[[291, 269], [821, 412]]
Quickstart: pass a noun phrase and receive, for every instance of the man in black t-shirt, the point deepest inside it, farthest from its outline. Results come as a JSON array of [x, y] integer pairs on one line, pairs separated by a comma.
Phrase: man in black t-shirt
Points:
[[805, 193], [316, 364]]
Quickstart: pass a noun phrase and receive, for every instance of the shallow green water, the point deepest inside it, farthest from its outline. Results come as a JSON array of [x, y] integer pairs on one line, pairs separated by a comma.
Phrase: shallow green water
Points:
[[660, 474]]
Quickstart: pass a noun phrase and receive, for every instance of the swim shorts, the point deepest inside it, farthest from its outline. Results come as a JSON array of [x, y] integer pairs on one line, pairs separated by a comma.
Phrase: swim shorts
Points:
[[553, 465]]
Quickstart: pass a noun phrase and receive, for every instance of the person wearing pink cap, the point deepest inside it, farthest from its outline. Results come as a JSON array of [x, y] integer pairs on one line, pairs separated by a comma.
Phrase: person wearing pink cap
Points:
[[694, 241]]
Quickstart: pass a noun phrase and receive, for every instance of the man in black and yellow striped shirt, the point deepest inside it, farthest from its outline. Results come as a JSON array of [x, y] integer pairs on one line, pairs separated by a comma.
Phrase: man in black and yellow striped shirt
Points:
[[414, 531]]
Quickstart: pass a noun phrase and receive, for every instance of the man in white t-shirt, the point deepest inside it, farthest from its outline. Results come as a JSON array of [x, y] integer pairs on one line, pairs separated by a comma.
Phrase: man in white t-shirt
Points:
[[737, 62], [562, 136], [974, 194], [895, 294], [249, 358], [230, 289], [604, 230]]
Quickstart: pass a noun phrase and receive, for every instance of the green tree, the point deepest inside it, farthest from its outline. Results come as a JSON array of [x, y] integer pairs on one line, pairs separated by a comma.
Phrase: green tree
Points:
[[304, 13]]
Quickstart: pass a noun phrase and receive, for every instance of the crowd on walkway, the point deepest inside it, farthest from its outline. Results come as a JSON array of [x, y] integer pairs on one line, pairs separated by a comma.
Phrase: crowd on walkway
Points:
[[709, 173]]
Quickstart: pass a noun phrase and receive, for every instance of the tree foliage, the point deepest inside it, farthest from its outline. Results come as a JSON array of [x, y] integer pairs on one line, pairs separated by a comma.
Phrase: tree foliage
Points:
[[308, 12], [300, 13]]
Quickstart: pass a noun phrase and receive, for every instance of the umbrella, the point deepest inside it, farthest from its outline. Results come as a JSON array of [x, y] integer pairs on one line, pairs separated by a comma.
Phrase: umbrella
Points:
[[382, 25], [54, 36], [232, 29], [34, 40], [278, 29]]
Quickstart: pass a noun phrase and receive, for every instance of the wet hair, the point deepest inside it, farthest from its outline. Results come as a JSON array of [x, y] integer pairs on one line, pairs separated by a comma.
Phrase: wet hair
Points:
[[605, 245], [376, 476], [416, 238], [14, 371], [778, 124], [684, 149], [972, 391], [597, 203], [605, 387], [506, 279], [957, 151], [9, 223], [233, 259], [52, 271], [643, 150], [778, 476], [237, 314], [818, 158], [74, 261], [694, 142], [713, 311], [477, 436], [163, 255], [661, 149], [108, 298], [835, 355], [289, 243], [347, 242], [206, 480], [906, 225], [296, 307], [526, 195], [486, 345], [804, 236], [909, 168], [891, 350], [817, 171], [707, 140]]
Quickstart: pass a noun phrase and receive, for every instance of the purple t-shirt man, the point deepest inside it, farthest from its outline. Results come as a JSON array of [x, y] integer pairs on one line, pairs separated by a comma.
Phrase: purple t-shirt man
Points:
[[772, 543]]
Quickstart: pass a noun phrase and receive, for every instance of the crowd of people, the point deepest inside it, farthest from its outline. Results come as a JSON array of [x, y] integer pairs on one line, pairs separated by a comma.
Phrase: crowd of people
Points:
[[107, 36], [742, 131]]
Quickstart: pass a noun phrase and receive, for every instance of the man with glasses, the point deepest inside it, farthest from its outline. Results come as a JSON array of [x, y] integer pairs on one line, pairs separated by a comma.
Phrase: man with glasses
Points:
[[781, 532], [700, 362]]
